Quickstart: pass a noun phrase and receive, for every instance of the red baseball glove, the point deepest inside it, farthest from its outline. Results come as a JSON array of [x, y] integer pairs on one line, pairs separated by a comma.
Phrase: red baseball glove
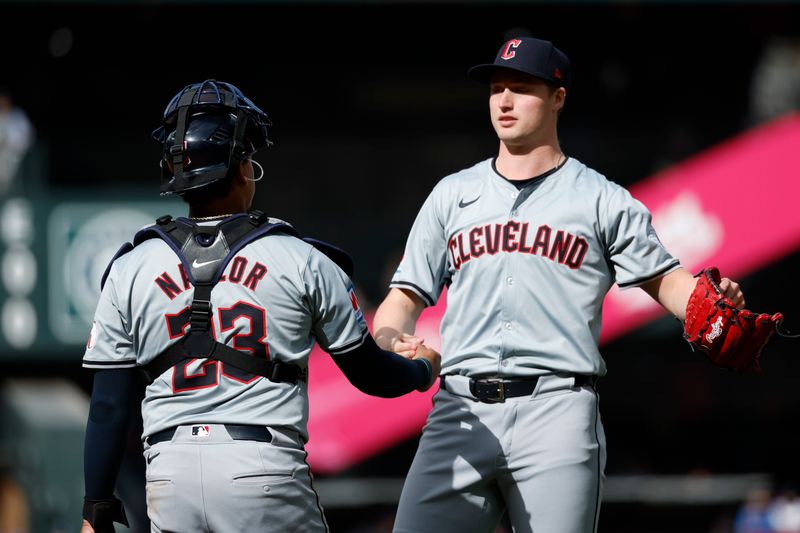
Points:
[[730, 337]]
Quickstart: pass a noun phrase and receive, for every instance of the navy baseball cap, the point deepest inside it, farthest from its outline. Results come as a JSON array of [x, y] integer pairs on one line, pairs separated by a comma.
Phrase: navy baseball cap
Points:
[[529, 55]]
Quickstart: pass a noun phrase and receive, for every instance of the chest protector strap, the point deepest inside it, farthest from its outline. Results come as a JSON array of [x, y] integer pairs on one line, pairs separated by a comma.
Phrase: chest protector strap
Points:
[[205, 252]]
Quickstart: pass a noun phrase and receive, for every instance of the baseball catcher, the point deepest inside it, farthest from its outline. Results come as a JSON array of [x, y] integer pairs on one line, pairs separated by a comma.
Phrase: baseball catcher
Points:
[[730, 337], [220, 310]]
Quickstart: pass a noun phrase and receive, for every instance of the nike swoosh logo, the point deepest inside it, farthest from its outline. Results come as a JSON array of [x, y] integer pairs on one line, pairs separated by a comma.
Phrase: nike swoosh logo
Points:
[[462, 203], [196, 264]]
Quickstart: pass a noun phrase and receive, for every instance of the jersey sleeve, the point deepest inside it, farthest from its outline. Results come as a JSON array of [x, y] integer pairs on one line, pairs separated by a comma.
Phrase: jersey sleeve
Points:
[[110, 344], [632, 245], [339, 325], [423, 268]]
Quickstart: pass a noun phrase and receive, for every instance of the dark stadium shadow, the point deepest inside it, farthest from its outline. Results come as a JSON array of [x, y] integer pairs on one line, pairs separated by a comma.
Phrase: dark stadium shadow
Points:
[[131, 478]]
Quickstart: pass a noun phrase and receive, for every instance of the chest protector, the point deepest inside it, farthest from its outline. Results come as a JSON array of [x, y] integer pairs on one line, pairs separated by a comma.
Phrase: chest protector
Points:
[[205, 252]]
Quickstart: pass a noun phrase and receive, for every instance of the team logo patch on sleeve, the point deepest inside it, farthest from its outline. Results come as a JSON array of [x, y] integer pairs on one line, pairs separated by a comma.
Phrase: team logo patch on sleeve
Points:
[[92, 340], [652, 235], [356, 307]]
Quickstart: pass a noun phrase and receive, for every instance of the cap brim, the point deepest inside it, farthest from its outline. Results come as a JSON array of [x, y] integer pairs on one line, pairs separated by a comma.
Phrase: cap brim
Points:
[[483, 73]]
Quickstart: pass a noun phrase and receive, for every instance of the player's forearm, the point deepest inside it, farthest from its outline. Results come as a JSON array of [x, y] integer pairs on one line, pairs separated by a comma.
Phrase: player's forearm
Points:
[[398, 313], [107, 430], [672, 291], [382, 373]]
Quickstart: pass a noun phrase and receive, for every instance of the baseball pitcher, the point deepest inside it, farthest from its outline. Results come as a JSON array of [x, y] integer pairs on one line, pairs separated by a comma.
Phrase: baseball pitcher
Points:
[[527, 243]]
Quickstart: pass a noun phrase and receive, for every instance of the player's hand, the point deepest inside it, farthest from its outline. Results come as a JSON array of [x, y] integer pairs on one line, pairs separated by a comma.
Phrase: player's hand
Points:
[[732, 291], [406, 345], [434, 358], [86, 527]]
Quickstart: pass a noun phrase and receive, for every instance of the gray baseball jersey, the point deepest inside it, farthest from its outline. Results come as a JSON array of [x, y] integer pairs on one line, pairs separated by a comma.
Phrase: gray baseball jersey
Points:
[[527, 270], [277, 297]]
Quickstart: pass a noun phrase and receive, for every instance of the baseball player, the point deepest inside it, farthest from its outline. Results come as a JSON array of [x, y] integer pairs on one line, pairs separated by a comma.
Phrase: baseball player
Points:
[[221, 310], [528, 243]]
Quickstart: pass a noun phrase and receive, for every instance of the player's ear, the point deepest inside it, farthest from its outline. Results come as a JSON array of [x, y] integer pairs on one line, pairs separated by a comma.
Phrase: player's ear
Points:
[[245, 171], [559, 97]]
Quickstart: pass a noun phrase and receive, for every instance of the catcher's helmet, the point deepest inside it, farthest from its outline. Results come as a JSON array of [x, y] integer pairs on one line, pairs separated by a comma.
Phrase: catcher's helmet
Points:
[[208, 129]]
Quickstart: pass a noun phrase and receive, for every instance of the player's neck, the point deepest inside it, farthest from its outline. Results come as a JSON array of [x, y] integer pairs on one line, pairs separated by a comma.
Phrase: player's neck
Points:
[[523, 163], [217, 208]]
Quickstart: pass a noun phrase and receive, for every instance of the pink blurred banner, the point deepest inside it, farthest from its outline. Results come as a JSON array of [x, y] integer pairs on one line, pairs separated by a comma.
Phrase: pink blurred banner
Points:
[[347, 426], [736, 206]]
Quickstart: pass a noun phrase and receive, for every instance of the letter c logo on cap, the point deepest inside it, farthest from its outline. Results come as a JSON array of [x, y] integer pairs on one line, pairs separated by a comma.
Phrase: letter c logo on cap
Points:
[[508, 53]]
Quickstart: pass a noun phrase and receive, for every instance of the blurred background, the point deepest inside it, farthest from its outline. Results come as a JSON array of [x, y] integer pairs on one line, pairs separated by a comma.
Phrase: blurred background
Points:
[[691, 105]]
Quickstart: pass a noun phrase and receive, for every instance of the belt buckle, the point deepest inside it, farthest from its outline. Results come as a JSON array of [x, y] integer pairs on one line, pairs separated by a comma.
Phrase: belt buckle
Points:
[[501, 390]]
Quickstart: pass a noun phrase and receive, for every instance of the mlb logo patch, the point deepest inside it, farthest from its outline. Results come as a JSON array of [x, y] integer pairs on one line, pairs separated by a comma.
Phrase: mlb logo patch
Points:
[[356, 307], [201, 431]]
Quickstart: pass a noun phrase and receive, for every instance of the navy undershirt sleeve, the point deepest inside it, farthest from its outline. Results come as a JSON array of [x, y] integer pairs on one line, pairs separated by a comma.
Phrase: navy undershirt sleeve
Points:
[[380, 373], [107, 429]]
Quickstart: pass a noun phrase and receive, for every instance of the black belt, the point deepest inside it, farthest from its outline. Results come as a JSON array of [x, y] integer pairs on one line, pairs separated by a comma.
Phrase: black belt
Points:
[[496, 390], [236, 431]]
